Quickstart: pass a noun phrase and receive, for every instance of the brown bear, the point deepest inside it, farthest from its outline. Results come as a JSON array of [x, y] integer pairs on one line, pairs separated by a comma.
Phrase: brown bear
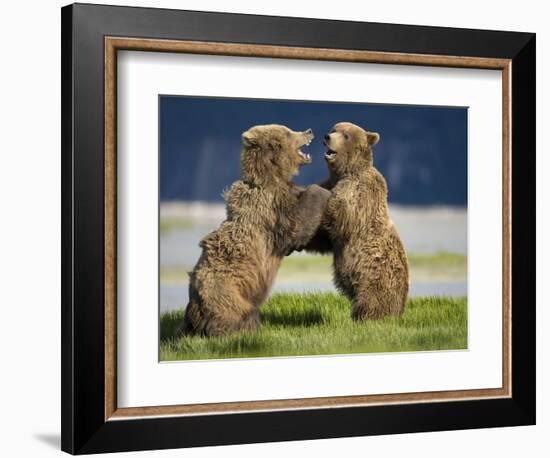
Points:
[[268, 216], [370, 263]]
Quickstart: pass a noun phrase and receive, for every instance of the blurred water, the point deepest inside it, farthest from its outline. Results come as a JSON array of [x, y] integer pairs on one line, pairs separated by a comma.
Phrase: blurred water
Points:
[[181, 248], [424, 230]]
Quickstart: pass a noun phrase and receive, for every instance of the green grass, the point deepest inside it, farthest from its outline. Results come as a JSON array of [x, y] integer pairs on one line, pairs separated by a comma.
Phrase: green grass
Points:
[[320, 324]]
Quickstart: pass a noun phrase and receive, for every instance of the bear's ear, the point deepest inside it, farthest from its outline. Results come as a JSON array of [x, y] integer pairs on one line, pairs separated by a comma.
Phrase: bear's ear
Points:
[[373, 138], [248, 138]]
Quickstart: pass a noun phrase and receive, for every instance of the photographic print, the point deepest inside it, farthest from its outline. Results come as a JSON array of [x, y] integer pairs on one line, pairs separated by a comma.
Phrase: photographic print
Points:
[[292, 228], [240, 203]]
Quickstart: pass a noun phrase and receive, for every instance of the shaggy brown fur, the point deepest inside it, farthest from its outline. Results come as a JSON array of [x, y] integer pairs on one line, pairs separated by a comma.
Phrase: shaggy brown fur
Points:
[[370, 263], [268, 217]]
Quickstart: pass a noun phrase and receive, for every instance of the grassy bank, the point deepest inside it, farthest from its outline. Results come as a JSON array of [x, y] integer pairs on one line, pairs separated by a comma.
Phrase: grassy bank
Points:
[[440, 266], [172, 224], [320, 324]]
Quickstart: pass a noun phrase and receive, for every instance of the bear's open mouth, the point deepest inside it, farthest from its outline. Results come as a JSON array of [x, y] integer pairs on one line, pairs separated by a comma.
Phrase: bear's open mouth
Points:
[[330, 155], [306, 157]]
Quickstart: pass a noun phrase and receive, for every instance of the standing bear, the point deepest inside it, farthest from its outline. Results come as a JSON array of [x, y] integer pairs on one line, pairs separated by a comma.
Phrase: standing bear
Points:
[[370, 263], [268, 216]]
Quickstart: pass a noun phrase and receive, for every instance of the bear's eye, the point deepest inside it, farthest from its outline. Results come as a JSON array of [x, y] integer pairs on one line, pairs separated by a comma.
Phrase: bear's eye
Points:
[[346, 136]]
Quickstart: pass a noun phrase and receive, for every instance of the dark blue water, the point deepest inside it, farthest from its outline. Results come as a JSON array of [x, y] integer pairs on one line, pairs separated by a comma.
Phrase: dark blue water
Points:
[[422, 150]]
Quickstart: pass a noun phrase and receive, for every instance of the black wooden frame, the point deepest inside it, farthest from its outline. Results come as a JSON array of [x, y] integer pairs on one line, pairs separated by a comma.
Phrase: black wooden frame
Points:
[[84, 429]]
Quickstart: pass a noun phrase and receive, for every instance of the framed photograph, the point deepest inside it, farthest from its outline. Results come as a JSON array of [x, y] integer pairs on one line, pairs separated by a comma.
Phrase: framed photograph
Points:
[[281, 228]]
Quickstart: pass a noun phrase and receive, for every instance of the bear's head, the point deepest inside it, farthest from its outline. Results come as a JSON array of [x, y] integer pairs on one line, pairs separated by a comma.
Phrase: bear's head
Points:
[[349, 148], [272, 154]]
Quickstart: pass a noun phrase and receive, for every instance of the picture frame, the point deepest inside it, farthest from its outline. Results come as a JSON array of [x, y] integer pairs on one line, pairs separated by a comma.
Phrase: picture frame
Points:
[[92, 35]]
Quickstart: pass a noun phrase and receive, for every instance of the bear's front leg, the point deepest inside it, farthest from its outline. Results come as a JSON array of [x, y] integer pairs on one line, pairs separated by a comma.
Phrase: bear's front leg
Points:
[[309, 215], [320, 243]]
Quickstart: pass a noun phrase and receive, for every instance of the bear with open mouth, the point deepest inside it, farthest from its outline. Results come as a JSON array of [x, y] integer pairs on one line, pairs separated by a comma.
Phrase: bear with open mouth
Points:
[[370, 263], [268, 216]]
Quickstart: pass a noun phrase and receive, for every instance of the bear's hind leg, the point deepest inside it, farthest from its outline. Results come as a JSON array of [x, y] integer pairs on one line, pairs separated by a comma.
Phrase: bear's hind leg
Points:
[[193, 321], [218, 311], [366, 308], [374, 303], [228, 313], [222, 325]]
